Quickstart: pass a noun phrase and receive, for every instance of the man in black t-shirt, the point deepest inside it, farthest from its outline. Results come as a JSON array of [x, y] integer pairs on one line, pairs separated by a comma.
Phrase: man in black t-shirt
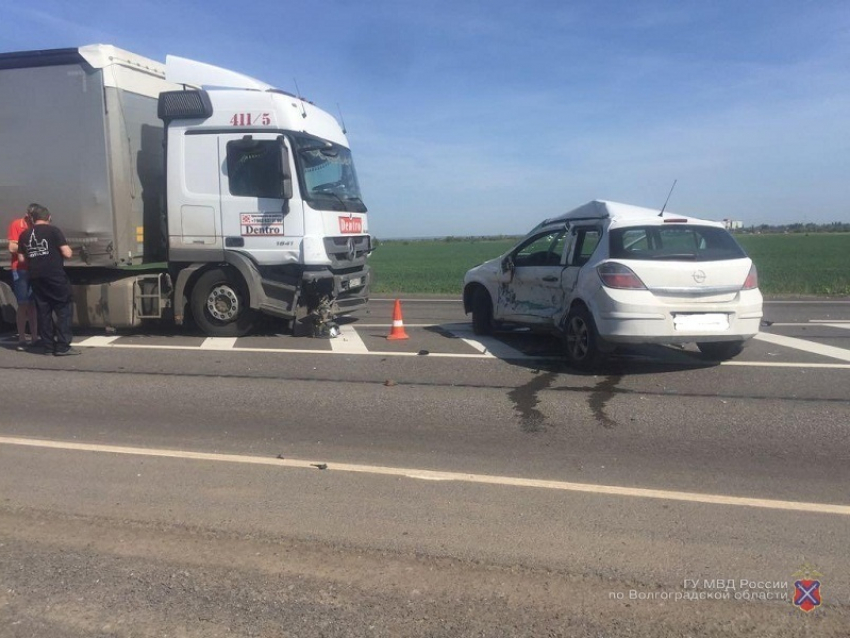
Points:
[[45, 249]]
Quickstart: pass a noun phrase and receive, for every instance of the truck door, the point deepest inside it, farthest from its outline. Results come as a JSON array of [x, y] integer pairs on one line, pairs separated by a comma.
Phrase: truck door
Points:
[[534, 293], [256, 217]]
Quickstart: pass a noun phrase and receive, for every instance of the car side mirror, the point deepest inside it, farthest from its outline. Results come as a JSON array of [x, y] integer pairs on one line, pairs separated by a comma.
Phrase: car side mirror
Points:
[[508, 268]]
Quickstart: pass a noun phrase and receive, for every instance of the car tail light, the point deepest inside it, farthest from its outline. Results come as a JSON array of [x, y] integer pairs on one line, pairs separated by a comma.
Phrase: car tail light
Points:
[[614, 275], [752, 281]]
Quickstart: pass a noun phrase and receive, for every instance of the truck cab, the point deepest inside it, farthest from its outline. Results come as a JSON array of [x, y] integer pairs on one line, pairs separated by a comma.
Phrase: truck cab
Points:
[[262, 183]]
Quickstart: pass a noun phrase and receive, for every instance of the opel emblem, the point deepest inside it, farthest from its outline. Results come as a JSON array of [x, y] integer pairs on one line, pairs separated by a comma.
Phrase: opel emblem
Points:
[[699, 276]]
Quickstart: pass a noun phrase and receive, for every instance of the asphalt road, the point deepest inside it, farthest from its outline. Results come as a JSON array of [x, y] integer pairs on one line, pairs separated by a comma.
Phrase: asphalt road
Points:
[[442, 485]]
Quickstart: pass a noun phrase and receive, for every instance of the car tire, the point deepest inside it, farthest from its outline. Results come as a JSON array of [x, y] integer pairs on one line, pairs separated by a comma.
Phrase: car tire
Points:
[[721, 350], [220, 304], [581, 341], [482, 312]]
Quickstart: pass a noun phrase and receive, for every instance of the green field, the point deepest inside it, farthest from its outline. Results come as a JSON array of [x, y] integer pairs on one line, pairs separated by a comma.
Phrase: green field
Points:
[[792, 264], [801, 264]]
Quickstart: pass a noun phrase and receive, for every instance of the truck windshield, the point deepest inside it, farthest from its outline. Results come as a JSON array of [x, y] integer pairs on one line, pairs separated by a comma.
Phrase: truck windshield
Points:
[[326, 174]]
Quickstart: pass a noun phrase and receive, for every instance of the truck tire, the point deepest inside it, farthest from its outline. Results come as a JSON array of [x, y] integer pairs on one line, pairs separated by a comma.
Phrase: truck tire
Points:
[[482, 312], [721, 350], [220, 304], [581, 342]]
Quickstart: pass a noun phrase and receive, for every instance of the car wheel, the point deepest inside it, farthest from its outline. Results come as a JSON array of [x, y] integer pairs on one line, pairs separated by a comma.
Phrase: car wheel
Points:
[[721, 350], [220, 304], [581, 342], [482, 312]]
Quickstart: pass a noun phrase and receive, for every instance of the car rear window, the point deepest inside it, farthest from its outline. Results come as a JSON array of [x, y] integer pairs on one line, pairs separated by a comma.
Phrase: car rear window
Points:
[[681, 242]]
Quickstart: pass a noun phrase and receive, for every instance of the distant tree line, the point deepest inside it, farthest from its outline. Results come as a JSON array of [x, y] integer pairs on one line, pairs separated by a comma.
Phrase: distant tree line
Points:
[[764, 229], [832, 227], [450, 239]]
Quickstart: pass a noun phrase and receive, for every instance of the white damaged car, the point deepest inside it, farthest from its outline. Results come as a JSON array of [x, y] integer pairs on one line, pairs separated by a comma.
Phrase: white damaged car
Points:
[[606, 274]]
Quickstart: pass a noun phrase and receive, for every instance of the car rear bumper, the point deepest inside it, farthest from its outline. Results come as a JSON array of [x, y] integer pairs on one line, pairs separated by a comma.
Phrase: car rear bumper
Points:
[[637, 316]]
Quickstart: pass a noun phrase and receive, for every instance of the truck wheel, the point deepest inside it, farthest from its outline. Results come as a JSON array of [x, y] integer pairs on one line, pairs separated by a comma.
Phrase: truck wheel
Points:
[[220, 304], [581, 343], [482, 312], [721, 350]]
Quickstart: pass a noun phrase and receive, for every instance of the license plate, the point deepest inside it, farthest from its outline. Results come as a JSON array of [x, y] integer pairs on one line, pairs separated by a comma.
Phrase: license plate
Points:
[[709, 322]]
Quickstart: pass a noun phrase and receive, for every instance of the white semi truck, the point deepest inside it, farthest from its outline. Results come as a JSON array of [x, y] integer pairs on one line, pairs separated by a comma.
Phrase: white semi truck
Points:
[[184, 189]]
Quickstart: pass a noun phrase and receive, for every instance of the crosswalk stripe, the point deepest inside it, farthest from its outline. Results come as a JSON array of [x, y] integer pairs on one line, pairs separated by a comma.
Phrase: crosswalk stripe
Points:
[[805, 346]]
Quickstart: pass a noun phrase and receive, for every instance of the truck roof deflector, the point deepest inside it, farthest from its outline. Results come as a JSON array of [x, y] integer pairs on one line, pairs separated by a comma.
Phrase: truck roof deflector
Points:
[[184, 71]]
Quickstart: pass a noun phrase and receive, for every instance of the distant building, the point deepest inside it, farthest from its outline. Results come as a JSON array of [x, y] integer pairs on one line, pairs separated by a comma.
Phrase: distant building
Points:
[[733, 224]]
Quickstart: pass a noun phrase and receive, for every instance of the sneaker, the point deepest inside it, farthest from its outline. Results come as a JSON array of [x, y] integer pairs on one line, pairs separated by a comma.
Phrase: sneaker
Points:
[[66, 353], [35, 346], [22, 346]]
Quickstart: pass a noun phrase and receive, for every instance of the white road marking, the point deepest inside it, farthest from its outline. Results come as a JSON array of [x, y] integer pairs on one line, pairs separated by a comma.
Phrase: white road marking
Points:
[[833, 323], [845, 326], [785, 364], [489, 346], [372, 353], [477, 345], [97, 341], [805, 346], [348, 341], [218, 343], [482, 346], [431, 475]]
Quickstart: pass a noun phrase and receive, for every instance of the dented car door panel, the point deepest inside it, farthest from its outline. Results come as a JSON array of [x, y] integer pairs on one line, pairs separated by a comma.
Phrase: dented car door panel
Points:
[[534, 292]]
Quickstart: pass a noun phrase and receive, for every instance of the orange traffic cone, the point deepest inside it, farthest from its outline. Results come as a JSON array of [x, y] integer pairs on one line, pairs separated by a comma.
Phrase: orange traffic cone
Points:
[[398, 324]]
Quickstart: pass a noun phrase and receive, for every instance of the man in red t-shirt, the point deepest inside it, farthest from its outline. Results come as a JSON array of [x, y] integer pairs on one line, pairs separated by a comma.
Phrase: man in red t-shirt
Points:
[[21, 283]]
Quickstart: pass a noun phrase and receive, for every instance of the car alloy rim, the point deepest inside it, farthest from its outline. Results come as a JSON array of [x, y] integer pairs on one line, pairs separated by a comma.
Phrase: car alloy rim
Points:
[[577, 338]]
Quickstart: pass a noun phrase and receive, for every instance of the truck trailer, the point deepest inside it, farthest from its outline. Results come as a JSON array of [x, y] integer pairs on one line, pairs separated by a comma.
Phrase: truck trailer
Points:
[[185, 191]]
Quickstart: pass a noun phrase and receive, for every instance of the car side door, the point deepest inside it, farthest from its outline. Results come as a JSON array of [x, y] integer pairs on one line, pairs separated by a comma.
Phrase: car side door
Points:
[[581, 244], [532, 291]]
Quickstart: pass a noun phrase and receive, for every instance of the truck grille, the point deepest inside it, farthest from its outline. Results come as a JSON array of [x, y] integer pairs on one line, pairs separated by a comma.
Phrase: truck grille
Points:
[[345, 252]]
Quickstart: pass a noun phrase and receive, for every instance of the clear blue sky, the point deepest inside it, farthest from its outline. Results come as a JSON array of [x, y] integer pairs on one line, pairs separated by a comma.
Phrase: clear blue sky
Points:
[[482, 117]]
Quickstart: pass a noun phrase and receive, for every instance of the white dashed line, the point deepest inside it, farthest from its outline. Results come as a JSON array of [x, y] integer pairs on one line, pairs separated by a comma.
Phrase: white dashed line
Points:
[[806, 346], [785, 364], [97, 342], [348, 341], [218, 343], [845, 326]]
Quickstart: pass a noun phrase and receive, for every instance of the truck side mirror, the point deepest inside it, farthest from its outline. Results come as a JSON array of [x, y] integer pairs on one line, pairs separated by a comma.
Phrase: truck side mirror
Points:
[[285, 171]]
